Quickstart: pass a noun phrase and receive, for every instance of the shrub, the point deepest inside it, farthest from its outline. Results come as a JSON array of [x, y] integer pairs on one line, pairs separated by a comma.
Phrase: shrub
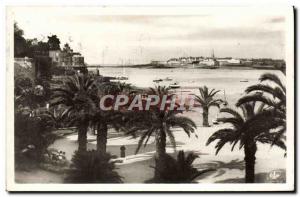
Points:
[[92, 167], [32, 138], [178, 170]]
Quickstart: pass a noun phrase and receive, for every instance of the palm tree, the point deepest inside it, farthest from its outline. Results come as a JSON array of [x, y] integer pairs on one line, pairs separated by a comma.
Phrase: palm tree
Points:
[[276, 90], [78, 94], [92, 167], [103, 119], [272, 95], [158, 122], [55, 117], [248, 128], [178, 170], [206, 100]]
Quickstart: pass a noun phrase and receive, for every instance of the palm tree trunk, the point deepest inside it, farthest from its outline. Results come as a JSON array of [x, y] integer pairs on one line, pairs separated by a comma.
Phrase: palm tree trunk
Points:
[[205, 117], [160, 140], [250, 150], [102, 137], [82, 138]]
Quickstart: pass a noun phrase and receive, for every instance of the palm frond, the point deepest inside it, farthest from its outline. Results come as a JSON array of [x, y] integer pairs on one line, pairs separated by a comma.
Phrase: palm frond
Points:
[[276, 92], [225, 135], [255, 98], [142, 139], [172, 138], [274, 78], [233, 113]]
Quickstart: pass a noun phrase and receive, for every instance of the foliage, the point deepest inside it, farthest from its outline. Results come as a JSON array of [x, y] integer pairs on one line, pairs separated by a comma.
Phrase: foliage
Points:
[[102, 119], [43, 67], [93, 167], [20, 44], [55, 116], [206, 100], [53, 42], [31, 94], [206, 97], [78, 94], [158, 122], [55, 161], [67, 48], [273, 95], [33, 136], [253, 126], [32, 47], [178, 170]]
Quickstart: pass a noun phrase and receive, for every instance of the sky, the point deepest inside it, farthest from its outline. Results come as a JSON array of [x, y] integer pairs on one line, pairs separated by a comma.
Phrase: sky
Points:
[[130, 37]]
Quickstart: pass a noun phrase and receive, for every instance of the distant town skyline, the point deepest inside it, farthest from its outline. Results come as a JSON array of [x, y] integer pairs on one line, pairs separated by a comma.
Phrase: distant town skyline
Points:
[[117, 39]]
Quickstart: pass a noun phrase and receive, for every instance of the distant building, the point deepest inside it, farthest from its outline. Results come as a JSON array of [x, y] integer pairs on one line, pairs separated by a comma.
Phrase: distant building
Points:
[[155, 62], [208, 62], [173, 61], [229, 62], [56, 56], [77, 60], [247, 62], [66, 58]]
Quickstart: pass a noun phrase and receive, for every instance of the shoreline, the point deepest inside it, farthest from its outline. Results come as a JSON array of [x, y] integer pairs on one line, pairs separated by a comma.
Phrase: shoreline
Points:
[[185, 67]]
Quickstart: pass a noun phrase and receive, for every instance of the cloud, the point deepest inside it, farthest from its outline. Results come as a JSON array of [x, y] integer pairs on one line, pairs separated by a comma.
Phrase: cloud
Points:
[[152, 20], [227, 34], [276, 20]]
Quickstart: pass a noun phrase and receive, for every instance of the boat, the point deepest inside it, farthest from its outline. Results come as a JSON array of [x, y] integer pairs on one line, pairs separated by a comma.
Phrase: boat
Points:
[[168, 79], [118, 79], [122, 78], [245, 80], [174, 85], [157, 80]]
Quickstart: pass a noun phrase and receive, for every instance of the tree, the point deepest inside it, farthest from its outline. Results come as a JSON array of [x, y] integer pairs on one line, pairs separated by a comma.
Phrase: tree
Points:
[[92, 167], [252, 126], [206, 100], [33, 135], [36, 48], [103, 119], [55, 117], [160, 123], [78, 94], [178, 170], [20, 45], [273, 95], [67, 48], [31, 47], [29, 94], [53, 42]]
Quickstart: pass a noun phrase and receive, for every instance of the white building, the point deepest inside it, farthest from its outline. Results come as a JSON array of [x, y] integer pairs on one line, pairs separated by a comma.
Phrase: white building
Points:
[[173, 61], [208, 62], [226, 61]]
